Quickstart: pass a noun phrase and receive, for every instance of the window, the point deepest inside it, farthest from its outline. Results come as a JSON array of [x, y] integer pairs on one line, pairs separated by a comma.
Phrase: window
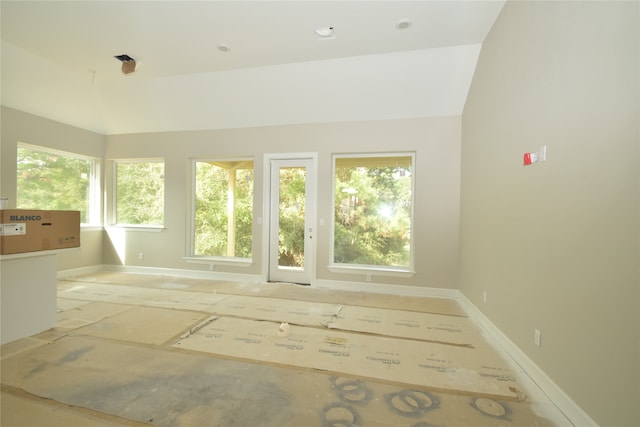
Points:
[[139, 188], [54, 180], [373, 211], [223, 208]]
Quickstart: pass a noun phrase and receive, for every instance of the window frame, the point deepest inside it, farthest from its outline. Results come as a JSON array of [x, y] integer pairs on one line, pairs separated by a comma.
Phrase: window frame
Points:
[[113, 220], [191, 256], [94, 218], [368, 269]]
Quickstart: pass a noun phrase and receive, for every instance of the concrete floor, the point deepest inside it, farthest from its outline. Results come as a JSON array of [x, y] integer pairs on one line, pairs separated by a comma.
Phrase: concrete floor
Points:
[[112, 360]]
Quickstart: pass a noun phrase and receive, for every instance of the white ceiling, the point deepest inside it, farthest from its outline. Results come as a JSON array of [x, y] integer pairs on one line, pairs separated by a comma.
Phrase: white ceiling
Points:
[[57, 61]]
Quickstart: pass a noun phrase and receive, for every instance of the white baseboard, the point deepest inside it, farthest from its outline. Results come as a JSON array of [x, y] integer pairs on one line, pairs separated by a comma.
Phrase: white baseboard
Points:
[[176, 272], [560, 399], [380, 288], [83, 270]]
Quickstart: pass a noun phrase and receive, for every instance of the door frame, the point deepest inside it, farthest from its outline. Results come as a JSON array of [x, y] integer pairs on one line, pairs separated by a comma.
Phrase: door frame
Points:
[[310, 214]]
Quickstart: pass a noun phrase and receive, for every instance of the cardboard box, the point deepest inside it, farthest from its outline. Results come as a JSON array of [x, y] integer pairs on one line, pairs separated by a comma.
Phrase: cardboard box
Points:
[[26, 230]]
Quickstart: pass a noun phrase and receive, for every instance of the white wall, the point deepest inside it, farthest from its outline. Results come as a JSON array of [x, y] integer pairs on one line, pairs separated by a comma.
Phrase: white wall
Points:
[[555, 245]]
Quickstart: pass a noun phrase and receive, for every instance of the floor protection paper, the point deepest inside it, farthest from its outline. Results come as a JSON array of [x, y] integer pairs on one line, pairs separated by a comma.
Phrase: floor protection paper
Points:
[[424, 364], [379, 321], [160, 387]]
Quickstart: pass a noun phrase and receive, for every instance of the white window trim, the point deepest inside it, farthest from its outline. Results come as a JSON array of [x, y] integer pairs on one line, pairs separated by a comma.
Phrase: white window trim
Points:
[[371, 269], [137, 227], [84, 227], [214, 260], [385, 270]]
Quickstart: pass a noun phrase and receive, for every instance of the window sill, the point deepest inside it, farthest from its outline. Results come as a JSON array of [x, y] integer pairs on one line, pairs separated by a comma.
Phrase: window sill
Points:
[[89, 227], [235, 262], [146, 228], [371, 270]]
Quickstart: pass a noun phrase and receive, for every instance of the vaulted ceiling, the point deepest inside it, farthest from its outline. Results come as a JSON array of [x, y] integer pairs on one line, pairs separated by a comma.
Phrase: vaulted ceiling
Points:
[[228, 64]]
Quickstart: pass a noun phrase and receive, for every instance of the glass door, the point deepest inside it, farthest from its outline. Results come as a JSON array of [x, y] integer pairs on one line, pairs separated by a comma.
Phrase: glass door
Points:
[[292, 229]]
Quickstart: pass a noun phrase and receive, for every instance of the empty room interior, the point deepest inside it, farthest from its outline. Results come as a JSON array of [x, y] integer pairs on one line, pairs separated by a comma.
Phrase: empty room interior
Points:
[[318, 213]]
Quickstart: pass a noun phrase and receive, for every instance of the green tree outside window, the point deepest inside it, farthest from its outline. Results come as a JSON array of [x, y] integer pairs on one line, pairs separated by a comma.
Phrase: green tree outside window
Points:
[[223, 216], [372, 211], [139, 192], [50, 180]]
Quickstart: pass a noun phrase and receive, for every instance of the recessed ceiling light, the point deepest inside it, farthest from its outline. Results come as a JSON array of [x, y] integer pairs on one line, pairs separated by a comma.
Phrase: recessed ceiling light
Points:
[[325, 33], [403, 24], [223, 47]]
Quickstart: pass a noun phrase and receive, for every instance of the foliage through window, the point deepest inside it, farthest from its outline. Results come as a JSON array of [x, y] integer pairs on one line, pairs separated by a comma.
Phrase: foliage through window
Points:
[[223, 214], [139, 187], [291, 217], [52, 180], [372, 210]]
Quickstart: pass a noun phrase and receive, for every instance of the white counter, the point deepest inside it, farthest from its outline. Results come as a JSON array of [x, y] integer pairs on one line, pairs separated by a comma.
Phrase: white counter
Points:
[[28, 293]]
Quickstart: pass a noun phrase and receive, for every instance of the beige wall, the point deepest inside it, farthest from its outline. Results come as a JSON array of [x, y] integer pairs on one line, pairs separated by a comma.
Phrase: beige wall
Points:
[[17, 127], [555, 245], [435, 141]]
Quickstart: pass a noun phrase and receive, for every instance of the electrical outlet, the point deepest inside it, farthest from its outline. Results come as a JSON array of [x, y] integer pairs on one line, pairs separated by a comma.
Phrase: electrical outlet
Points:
[[537, 337], [140, 255], [484, 296], [368, 278]]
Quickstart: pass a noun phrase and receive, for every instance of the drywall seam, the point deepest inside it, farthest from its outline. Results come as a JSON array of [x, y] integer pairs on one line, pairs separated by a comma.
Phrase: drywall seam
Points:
[[570, 409]]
